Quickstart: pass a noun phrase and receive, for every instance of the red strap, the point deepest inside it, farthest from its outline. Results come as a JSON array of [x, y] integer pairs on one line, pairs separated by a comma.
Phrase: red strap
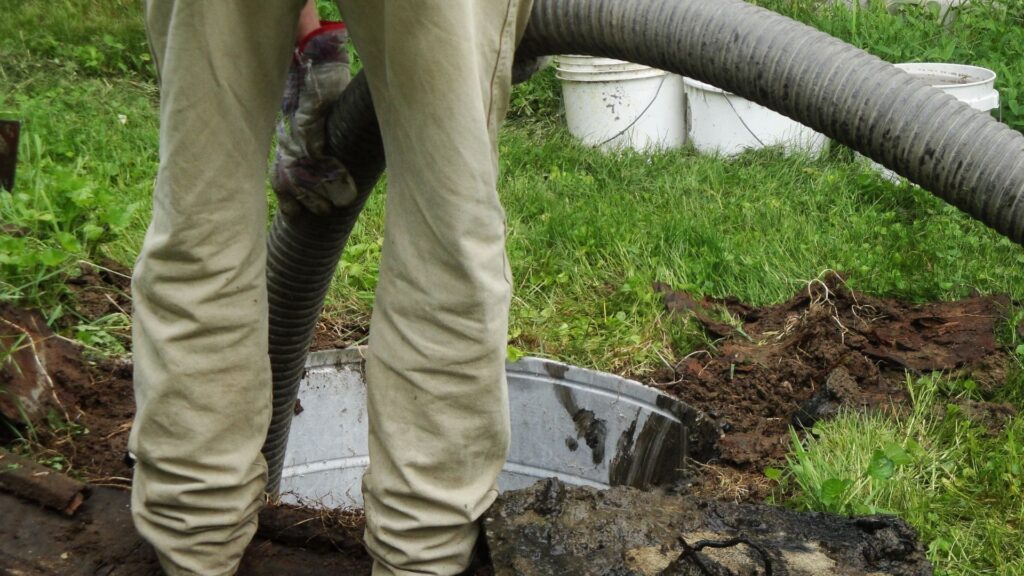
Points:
[[325, 26]]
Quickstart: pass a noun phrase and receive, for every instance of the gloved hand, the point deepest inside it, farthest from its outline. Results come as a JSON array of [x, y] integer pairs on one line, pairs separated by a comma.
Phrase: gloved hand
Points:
[[303, 176]]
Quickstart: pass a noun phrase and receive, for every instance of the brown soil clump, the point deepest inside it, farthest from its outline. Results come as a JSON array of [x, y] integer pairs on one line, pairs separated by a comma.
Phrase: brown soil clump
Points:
[[85, 421], [101, 289], [36, 366], [991, 416], [40, 484], [105, 408], [333, 334], [84, 403], [826, 349]]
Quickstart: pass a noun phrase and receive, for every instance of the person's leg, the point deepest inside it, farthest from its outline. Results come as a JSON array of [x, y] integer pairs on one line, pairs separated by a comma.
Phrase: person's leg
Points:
[[439, 71], [202, 375]]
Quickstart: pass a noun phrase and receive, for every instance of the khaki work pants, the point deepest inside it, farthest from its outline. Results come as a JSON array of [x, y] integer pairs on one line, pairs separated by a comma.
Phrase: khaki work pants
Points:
[[439, 72]]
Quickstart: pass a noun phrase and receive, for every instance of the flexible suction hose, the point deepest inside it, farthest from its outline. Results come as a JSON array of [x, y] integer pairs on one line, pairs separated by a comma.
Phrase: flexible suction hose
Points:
[[961, 155], [302, 254]]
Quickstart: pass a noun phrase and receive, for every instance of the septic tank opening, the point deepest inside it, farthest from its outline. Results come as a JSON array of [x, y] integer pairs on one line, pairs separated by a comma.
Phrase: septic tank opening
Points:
[[585, 428]]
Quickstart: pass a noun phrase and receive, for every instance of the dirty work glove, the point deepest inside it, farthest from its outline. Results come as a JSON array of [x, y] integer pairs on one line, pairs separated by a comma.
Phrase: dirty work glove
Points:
[[303, 176]]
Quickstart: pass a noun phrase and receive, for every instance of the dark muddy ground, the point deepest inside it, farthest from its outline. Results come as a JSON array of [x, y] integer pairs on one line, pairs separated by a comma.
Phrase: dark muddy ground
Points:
[[552, 528], [100, 541], [770, 367]]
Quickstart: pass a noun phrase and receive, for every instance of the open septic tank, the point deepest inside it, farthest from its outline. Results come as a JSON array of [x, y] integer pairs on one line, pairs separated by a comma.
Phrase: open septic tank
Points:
[[583, 427]]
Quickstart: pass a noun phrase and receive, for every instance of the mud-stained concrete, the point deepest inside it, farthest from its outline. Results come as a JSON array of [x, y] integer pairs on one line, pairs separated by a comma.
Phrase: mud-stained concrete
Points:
[[657, 454], [552, 528], [589, 427]]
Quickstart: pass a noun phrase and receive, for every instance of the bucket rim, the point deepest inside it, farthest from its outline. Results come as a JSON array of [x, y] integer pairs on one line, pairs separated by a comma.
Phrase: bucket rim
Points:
[[978, 75], [694, 83], [592, 65], [559, 58], [609, 76]]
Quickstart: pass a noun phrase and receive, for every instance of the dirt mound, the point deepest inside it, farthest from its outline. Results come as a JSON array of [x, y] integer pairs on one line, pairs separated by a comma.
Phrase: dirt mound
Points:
[[36, 366], [337, 334], [79, 411], [80, 405], [825, 349], [791, 364], [551, 528]]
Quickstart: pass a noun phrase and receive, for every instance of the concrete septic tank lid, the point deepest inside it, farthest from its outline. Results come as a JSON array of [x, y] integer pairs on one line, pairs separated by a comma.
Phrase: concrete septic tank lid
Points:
[[584, 427]]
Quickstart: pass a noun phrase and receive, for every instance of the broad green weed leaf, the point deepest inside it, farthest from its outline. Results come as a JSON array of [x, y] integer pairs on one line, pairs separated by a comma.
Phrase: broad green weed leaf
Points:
[[833, 490], [51, 257], [83, 196], [513, 354], [119, 217], [913, 447], [40, 216], [68, 242], [881, 467], [91, 232], [898, 455]]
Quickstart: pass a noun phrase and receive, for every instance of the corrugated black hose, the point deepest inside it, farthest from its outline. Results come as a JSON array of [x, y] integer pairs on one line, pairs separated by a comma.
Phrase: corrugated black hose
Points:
[[961, 155], [302, 253]]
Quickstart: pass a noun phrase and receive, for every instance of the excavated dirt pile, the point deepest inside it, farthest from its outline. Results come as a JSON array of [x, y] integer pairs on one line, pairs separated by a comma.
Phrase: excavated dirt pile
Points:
[[825, 349], [552, 528]]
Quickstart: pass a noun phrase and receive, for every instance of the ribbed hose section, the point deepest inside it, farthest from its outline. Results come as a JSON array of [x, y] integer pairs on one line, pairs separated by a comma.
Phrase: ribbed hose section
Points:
[[302, 254], [300, 264], [962, 155]]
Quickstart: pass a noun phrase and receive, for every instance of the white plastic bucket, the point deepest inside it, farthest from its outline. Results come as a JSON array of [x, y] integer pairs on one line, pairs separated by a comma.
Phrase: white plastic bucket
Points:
[[972, 85], [614, 104], [724, 123], [583, 427]]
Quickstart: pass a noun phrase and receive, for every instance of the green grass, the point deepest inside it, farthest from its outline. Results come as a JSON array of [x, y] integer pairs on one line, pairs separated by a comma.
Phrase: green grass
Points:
[[588, 234], [959, 485], [77, 75], [98, 38]]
